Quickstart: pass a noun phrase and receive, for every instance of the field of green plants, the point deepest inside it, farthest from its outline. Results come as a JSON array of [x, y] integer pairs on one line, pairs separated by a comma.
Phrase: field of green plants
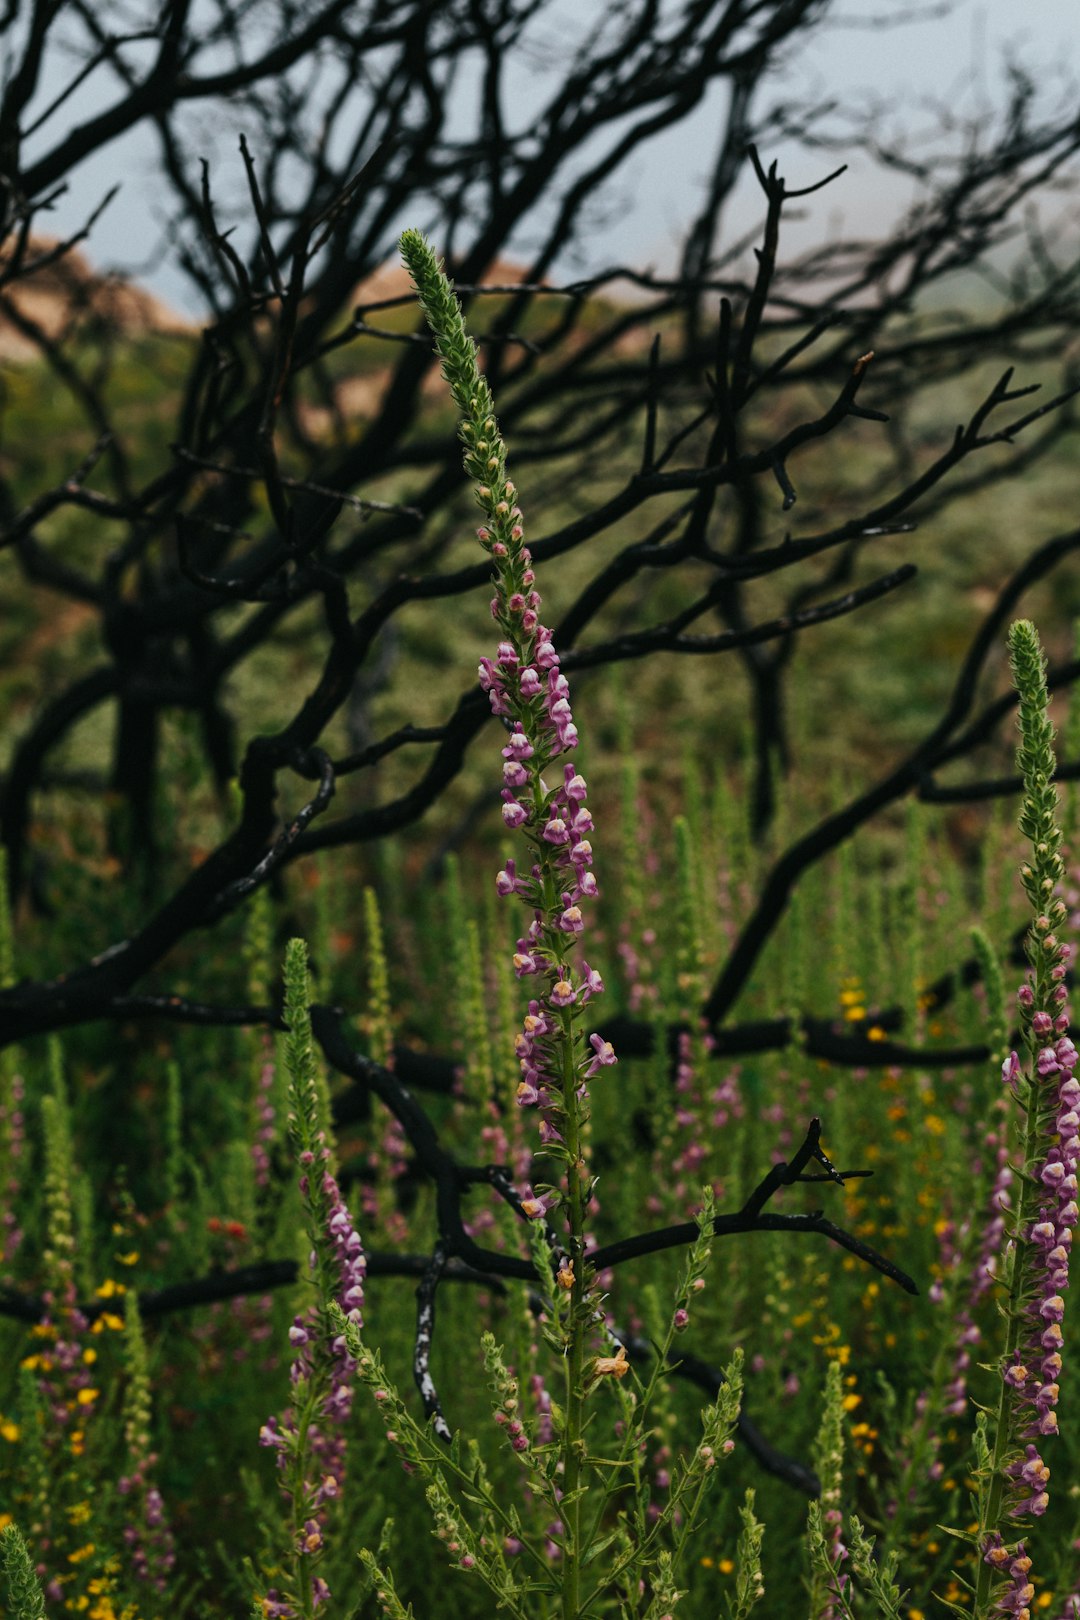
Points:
[[238, 1455]]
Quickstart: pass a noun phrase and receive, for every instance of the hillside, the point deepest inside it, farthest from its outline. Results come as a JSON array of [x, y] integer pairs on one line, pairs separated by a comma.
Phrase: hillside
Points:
[[57, 292]]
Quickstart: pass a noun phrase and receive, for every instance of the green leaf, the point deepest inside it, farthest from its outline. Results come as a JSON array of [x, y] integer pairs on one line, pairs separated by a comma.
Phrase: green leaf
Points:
[[600, 1546], [574, 1496]]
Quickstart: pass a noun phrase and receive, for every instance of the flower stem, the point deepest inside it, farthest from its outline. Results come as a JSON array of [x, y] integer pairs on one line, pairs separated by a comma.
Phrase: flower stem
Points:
[[573, 1441]]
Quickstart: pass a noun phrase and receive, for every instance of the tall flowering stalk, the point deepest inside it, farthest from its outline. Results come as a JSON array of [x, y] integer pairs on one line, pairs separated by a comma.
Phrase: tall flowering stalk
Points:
[[309, 1442], [1015, 1478], [528, 691], [12, 1092], [825, 1533], [147, 1535]]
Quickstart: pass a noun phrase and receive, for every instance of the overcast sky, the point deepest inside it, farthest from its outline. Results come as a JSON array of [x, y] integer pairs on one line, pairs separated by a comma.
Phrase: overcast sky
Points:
[[957, 60]]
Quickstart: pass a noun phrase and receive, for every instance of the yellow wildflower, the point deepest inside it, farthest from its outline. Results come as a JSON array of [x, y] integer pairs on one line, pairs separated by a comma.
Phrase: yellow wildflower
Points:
[[110, 1320]]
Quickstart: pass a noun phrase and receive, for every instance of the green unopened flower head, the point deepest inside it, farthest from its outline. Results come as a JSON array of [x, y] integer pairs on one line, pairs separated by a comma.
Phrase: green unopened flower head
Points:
[[485, 452], [136, 1413], [455, 348], [379, 1020], [1035, 759], [23, 1589]]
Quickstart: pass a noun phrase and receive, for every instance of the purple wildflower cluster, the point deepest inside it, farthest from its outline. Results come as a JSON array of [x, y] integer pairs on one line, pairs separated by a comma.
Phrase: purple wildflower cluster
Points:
[[13, 1140], [327, 1445], [922, 1460], [1016, 1564], [322, 1363], [836, 1553], [683, 1148], [953, 1243], [387, 1162], [266, 1114], [1033, 1369], [147, 1534], [527, 688], [65, 1381]]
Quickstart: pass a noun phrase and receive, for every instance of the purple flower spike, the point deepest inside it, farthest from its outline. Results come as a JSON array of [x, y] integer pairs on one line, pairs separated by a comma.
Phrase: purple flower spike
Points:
[[526, 685], [311, 1457]]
